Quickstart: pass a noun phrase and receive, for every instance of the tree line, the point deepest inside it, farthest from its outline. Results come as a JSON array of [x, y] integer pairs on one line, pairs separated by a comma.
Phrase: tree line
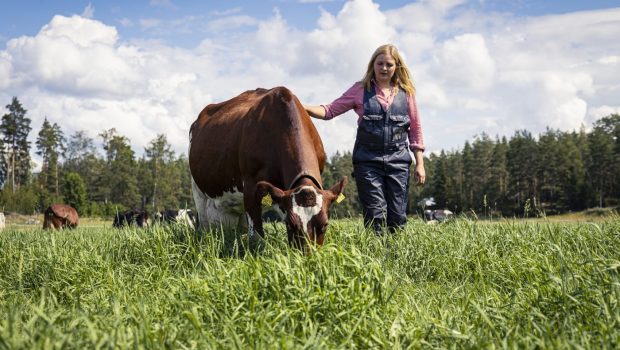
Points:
[[554, 173], [74, 172]]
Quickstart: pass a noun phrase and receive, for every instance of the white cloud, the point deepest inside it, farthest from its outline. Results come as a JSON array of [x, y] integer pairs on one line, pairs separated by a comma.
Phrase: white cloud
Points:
[[162, 3], [424, 16], [609, 60], [72, 55], [126, 22], [89, 11], [465, 63], [313, 1], [227, 12], [231, 22], [596, 113], [5, 70], [148, 23]]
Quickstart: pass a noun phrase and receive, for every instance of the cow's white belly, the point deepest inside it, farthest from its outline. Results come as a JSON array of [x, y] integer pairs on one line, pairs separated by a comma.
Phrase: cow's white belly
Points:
[[226, 210]]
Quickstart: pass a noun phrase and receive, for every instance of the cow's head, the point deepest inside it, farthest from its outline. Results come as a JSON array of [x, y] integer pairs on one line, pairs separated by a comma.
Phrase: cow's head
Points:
[[305, 208]]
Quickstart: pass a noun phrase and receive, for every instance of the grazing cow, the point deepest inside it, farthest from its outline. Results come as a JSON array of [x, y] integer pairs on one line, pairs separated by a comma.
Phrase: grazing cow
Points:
[[131, 217], [439, 215], [182, 216], [259, 143], [59, 216]]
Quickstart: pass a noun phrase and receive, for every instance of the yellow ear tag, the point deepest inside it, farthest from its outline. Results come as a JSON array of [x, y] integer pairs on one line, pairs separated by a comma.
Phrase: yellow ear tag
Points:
[[340, 198], [266, 201]]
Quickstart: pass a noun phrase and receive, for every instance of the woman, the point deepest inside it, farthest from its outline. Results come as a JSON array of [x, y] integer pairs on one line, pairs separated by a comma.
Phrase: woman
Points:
[[388, 128]]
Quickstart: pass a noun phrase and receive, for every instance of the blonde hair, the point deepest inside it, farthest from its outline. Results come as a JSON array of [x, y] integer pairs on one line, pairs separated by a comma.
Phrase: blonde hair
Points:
[[401, 78]]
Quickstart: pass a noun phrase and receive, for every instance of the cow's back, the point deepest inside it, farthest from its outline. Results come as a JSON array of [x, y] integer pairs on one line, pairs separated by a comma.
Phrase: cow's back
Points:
[[251, 135], [67, 213]]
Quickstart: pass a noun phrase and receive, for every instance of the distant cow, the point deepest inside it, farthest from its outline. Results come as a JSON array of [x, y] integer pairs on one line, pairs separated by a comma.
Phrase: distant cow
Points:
[[131, 217], [438, 215], [59, 216], [182, 216], [259, 143]]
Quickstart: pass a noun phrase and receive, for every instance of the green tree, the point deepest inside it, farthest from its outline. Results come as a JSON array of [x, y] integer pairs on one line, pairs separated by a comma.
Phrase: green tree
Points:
[[184, 191], [572, 173], [548, 173], [481, 174], [522, 165], [498, 185], [81, 157], [15, 128], [50, 146], [470, 170], [338, 166], [119, 177], [601, 169], [159, 166], [74, 192]]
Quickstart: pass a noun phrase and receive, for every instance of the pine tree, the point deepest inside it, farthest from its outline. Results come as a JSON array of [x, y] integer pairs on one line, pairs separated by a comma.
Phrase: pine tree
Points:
[[74, 191], [498, 185], [119, 177], [602, 148], [572, 174], [470, 171], [81, 158], [522, 165], [15, 128], [50, 146], [161, 179], [482, 154], [338, 166]]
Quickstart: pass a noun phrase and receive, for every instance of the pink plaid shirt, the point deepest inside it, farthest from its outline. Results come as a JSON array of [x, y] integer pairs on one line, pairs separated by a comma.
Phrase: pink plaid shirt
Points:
[[354, 99]]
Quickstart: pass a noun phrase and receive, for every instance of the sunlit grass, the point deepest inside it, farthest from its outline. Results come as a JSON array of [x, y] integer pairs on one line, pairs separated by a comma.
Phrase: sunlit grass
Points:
[[458, 284]]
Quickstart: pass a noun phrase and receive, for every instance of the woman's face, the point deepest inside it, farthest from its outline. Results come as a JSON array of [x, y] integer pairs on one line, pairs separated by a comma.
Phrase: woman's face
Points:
[[384, 67]]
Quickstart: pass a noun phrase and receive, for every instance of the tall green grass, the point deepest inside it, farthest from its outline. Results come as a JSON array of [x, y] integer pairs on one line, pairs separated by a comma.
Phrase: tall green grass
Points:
[[454, 285]]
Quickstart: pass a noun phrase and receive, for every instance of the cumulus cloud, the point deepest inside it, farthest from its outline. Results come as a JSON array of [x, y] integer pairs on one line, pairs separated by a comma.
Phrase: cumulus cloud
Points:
[[72, 55], [464, 62], [5, 70]]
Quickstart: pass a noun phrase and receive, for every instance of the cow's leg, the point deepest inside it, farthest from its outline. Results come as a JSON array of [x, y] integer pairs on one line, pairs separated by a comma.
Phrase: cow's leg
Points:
[[252, 206], [201, 201]]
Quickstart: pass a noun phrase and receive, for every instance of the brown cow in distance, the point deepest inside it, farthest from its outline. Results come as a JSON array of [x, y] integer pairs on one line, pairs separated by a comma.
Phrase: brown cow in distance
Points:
[[260, 143], [59, 216]]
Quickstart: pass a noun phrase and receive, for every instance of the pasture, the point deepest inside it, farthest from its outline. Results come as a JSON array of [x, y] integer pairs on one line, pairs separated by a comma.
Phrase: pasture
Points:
[[508, 284]]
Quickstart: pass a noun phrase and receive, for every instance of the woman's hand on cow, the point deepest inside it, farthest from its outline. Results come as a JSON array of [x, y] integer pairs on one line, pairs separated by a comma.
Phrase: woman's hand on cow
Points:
[[315, 111]]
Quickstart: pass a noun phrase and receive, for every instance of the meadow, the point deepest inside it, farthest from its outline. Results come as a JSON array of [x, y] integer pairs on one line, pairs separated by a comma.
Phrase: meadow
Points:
[[459, 284]]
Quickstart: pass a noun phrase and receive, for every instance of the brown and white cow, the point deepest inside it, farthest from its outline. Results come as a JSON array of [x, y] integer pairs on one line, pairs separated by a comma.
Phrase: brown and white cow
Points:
[[60, 216], [259, 143]]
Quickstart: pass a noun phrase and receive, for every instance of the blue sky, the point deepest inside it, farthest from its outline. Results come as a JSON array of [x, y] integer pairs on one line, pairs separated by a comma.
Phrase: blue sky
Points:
[[26, 17], [149, 67]]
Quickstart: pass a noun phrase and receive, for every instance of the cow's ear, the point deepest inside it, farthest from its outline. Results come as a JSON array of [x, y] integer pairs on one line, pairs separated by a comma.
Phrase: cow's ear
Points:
[[263, 188], [337, 189]]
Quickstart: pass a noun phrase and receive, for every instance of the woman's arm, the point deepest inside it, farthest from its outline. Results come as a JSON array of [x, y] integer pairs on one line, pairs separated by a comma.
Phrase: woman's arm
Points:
[[315, 111], [351, 99]]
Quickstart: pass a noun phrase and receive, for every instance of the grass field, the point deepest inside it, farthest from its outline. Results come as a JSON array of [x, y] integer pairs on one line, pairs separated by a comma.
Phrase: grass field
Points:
[[460, 284]]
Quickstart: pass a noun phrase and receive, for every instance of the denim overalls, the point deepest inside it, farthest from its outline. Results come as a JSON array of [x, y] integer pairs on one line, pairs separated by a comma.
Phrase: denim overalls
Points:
[[381, 161]]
